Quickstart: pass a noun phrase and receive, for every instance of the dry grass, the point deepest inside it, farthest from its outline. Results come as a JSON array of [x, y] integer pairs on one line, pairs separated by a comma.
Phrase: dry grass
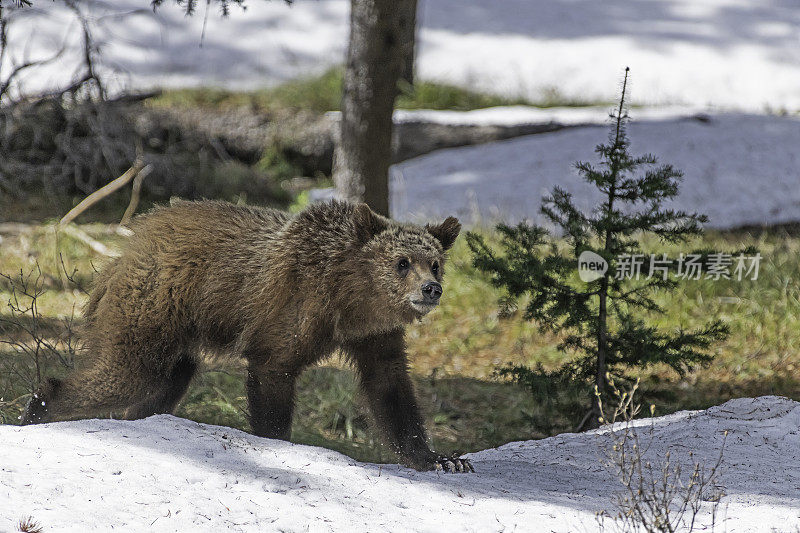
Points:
[[29, 525], [657, 495]]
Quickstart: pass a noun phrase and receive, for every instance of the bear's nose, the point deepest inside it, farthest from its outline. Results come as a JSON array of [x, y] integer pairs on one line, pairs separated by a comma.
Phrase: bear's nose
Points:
[[431, 291]]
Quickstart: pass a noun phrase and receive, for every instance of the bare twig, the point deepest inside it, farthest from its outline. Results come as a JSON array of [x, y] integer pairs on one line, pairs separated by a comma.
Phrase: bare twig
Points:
[[135, 193], [102, 192], [655, 497], [90, 51], [71, 276], [26, 289], [582, 424], [7, 83], [62, 139], [18, 69], [35, 348]]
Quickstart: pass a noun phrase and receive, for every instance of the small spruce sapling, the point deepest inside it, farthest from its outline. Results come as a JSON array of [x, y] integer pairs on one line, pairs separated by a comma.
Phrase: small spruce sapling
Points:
[[603, 320]]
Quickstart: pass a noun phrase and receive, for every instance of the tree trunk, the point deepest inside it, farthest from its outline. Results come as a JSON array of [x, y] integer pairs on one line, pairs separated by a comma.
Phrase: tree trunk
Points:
[[602, 311], [602, 349], [375, 60], [410, 42]]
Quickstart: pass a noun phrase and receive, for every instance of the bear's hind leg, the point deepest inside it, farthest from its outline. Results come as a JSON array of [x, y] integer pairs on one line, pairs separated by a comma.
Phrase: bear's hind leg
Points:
[[164, 393], [37, 410], [91, 392], [104, 390]]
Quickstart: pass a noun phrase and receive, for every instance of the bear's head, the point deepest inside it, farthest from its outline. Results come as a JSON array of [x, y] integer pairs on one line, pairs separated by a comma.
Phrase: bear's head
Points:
[[407, 261]]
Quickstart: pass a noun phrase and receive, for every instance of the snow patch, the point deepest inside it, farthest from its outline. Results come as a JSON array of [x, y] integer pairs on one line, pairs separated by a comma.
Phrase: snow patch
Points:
[[169, 474], [524, 115], [740, 54]]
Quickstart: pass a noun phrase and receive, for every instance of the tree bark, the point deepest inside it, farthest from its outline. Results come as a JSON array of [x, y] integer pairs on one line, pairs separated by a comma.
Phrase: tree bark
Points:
[[379, 31], [410, 42]]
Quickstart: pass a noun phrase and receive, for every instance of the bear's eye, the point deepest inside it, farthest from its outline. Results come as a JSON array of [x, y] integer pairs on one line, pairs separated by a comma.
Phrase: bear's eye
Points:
[[403, 265], [435, 268]]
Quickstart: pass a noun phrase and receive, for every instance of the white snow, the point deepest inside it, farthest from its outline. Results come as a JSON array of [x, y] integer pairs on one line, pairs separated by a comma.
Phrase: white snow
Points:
[[742, 54], [169, 474], [739, 169], [518, 115]]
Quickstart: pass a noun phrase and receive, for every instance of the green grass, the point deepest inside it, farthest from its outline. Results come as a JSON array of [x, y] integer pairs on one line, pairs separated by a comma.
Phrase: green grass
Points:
[[455, 351], [330, 412], [317, 94], [323, 93]]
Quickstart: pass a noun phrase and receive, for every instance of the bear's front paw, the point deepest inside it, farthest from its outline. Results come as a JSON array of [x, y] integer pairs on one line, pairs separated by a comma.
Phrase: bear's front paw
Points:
[[453, 464], [426, 460]]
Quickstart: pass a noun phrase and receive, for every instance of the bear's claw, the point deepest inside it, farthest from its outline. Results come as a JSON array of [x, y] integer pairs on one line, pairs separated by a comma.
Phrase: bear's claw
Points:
[[453, 465]]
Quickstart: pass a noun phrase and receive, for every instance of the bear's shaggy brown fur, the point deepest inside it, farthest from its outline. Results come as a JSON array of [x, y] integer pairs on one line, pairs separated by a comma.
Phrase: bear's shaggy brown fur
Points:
[[281, 291]]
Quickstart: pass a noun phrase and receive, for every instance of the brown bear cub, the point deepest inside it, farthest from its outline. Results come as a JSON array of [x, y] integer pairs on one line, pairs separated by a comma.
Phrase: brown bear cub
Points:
[[281, 291]]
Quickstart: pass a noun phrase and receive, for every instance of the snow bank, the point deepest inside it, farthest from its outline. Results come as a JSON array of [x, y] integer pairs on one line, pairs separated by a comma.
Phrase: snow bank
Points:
[[169, 474], [740, 54], [739, 169], [523, 115]]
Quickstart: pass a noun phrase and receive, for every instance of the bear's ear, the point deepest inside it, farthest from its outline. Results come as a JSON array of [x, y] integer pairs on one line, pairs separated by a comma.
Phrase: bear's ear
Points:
[[446, 232], [367, 222]]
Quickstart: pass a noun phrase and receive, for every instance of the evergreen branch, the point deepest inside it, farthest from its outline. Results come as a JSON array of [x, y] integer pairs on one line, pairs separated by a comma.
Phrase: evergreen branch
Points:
[[638, 296], [559, 208], [636, 343]]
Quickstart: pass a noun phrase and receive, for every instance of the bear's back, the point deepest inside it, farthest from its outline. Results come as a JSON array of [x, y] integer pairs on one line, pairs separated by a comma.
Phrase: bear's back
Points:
[[210, 218], [190, 259]]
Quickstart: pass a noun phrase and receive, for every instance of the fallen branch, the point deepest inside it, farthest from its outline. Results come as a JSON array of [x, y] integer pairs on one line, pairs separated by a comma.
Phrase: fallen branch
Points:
[[15, 228], [102, 192], [135, 192], [79, 234]]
